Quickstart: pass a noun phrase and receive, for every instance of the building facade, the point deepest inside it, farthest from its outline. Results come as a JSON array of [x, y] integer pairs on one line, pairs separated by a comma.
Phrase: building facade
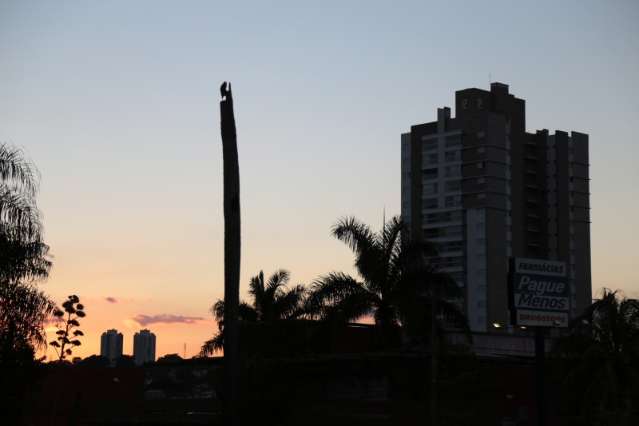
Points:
[[144, 347], [111, 345], [483, 189]]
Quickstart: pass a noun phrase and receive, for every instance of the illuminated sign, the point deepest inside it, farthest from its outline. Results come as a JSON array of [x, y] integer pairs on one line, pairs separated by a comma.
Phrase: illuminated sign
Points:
[[539, 292]]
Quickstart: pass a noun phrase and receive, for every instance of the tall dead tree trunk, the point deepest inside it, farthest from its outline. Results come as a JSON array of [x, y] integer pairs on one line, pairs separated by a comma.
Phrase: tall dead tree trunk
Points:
[[232, 245]]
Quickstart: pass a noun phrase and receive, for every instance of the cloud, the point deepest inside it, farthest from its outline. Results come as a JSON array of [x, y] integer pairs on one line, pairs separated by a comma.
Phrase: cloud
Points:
[[165, 319], [111, 299]]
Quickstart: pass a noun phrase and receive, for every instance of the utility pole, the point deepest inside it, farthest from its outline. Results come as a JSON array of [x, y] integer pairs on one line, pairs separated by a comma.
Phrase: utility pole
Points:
[[540, 355]]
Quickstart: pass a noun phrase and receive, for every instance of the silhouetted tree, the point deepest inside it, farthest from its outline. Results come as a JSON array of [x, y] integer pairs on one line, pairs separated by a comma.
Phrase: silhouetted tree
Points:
[[23, 259], [68, 328], [125, 361], [23, 311], [94, 361], [271, 301], [232, 251], [170, 359], [397, 284], [603, 349]]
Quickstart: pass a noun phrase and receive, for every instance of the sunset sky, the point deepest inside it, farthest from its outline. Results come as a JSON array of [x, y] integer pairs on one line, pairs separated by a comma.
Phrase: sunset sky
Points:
[[117, 104]]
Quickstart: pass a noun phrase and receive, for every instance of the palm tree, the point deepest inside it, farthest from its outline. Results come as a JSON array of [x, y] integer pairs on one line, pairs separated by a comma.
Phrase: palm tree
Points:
[[23, 258], [603, 349], [23, 255], [397, 285], [271, 301]]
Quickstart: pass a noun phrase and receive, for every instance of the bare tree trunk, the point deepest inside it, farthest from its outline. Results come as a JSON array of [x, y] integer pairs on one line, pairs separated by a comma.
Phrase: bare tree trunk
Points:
[[232, 245]]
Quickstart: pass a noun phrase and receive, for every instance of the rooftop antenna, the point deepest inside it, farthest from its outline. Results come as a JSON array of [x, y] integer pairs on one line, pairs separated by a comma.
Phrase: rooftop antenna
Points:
[[184, 353]]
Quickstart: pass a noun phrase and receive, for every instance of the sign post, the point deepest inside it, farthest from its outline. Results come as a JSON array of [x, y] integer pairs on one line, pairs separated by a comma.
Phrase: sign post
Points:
[[539, 294]]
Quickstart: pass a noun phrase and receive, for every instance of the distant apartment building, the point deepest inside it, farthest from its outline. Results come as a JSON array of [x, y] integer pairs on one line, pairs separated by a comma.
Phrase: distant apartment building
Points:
[[144, 347], [484, 190], [111, 345]]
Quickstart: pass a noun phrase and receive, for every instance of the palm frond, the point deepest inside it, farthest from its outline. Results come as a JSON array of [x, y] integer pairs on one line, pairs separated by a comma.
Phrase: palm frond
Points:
[[350, 308], [289, 305], [17, 171], [277, 280], [339, 294], [368, 248], [357, 236], [19, 213], [256, 289], [218, 311], [247, 312], [23, 311], [211, 346], [22, 259], [391, 235]]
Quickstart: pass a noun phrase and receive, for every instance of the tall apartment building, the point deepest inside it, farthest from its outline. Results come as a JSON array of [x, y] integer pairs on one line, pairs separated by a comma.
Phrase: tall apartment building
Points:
[[484, 190], [111, 345], [144, 347]]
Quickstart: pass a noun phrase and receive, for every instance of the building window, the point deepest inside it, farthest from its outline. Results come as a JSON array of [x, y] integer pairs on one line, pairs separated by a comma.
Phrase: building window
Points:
[[444, 231], [430, 173], [430, 144], [452, 171], [452, 231], [432, 233], [444, 217], [430, 188], [431, 203], [451, 246], [453, 141], [431, 158], [450, 262], [452, 201], [453, 185], [452, 156]]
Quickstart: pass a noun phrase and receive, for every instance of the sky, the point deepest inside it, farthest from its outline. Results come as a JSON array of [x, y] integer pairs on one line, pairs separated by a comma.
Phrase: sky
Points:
[[117, 105]]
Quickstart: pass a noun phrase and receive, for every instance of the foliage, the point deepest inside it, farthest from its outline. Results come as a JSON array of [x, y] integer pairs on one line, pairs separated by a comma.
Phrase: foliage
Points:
[[603, 353], [23, 311], [24, 259], [272, 300], [170, 359], [125, 361], [94, 361], [68, 328], [397, 286]]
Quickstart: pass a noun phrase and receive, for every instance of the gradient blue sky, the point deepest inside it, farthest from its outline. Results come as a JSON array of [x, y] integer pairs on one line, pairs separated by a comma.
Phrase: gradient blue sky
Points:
[[117, 104]]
